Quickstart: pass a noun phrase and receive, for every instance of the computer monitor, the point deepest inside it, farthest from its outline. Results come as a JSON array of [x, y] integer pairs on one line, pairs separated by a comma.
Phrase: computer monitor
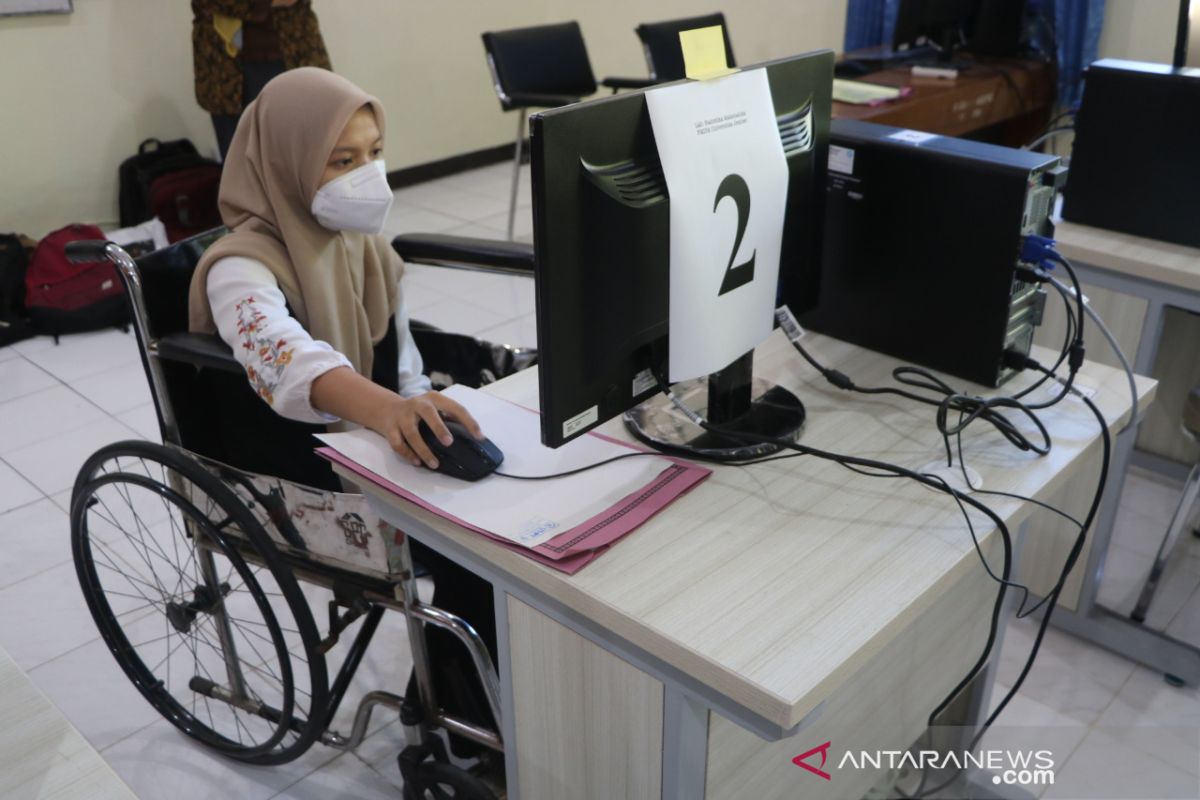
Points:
[[941, 24], [601, 220], [996, 28]]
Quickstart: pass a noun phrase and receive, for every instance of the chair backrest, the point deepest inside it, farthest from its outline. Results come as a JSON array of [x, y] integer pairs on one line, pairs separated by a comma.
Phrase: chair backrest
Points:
[[166, 275], [541, 60], [163, 279], [660, 41]]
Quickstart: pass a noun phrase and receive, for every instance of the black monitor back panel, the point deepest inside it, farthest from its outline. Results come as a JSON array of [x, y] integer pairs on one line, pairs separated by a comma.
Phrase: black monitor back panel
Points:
[[921, 243], [601, 220], [1135, 163]]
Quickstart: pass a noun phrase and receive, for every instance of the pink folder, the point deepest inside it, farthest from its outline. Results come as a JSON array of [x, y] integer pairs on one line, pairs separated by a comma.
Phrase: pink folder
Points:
[[572, 549]]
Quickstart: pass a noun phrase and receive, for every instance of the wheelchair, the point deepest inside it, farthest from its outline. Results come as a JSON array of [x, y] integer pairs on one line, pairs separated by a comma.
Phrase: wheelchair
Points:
[[199, 572]]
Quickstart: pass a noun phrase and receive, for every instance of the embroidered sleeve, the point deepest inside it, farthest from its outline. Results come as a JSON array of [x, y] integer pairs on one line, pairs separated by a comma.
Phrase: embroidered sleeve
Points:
[[272, 356], [281, 359]]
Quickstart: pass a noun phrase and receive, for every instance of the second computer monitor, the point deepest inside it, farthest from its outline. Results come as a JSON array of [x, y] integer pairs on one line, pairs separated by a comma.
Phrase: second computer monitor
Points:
[[940, 23], [602, 241]]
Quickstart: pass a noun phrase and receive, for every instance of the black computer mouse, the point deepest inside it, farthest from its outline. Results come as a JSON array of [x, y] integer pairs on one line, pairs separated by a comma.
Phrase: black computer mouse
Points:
[[466, 457]]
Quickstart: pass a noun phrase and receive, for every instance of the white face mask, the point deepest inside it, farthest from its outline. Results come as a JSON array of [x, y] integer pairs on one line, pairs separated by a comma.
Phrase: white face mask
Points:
[[357, 201]]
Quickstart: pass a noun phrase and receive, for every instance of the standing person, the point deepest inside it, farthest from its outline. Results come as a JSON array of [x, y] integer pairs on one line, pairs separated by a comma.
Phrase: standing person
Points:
[[239, 45]]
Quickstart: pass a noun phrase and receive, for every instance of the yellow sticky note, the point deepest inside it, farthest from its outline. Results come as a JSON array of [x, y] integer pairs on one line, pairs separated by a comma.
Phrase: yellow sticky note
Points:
[[704, 53]]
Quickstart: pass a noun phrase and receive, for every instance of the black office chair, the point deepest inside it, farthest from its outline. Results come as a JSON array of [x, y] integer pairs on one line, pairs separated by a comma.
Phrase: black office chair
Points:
[[544, 66], [664, 56]]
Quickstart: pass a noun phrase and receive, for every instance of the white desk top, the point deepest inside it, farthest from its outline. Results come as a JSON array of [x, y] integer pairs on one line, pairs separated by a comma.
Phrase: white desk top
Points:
[[1173, 265], [41, 753], [772, 584]]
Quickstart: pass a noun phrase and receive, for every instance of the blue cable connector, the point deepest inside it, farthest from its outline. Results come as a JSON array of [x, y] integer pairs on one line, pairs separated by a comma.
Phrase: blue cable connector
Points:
[[1039, 250]]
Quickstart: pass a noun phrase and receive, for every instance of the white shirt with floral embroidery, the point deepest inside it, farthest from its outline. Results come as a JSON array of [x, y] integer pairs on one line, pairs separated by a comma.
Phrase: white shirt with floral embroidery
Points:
[[281, 359]]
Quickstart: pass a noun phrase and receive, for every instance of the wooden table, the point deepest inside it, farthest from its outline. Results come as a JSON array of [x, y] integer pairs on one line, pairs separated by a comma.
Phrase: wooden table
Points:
[[41, 754], [770, 610], [1148, 293], [1004, 101]]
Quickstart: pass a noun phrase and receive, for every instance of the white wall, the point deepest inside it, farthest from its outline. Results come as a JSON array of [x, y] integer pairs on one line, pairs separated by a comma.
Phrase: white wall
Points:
[[1140, 30], [81, 90]]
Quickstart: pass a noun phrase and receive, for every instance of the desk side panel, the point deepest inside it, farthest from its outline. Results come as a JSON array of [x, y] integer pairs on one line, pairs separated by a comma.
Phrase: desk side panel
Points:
[[588, 725], [1050, 537], [1177, 370], [883, 707]]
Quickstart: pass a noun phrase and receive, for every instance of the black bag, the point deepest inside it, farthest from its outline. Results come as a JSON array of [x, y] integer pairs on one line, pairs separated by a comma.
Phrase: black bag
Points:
[[154, 158], [14, 260]]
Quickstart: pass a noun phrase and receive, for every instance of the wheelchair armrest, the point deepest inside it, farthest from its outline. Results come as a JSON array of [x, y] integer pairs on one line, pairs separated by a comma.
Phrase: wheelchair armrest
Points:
[[628, 83], [489, 255], [200, 349], [535, 100]]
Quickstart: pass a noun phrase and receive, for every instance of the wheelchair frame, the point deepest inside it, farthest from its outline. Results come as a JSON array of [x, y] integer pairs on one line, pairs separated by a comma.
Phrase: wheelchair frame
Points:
[[362, 595]]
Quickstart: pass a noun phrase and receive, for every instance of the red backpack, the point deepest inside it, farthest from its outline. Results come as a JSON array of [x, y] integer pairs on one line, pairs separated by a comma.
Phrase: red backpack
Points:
[[185, 198], [62, 297]]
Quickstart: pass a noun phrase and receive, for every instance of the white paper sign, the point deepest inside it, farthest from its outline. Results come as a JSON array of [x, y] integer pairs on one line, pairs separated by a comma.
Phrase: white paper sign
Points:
[[727, 177], [911, 136]]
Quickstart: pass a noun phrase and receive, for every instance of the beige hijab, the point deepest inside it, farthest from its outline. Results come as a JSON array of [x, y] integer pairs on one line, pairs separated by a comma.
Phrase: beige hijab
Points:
[[342, 287]]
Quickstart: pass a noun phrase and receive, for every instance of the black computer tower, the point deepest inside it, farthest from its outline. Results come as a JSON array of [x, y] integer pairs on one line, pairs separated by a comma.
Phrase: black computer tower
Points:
[[922, 238], [1135, 163]]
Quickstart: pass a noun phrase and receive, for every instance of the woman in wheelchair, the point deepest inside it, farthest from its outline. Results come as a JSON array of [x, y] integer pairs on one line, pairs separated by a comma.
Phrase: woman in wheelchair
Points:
[[306, 292]]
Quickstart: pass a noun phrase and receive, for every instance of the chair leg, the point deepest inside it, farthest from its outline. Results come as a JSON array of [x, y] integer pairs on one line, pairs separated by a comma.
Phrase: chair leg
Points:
[[516, 175], [1190, 489]]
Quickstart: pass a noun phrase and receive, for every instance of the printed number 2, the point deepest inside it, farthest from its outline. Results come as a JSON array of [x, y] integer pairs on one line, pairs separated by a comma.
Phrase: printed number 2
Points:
[[735, 186]]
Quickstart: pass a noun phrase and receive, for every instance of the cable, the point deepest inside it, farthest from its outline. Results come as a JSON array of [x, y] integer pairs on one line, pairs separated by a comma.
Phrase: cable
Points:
[[1050, 134], [1068, 339], [984, 408], [1039, 250], [1021, 612], [691, 456], [1133, 395], [935, 482], [1053, 595], [578, 469]]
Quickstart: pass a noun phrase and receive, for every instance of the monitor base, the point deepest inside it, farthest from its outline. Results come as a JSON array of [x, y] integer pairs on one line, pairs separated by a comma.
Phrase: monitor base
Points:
[[774, 412]]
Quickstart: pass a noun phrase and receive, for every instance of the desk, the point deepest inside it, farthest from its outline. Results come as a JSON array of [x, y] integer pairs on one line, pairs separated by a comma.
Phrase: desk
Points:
[[771, 609], [1144, 290], [42, 754], [1006, 101]]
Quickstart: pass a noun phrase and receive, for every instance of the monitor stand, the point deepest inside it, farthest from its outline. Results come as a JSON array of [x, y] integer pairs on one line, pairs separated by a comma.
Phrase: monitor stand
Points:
[[732, 399]]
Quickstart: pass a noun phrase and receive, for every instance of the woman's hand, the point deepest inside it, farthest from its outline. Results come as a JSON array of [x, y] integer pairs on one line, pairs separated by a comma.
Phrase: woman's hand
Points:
[[397, 420], [344, 393]]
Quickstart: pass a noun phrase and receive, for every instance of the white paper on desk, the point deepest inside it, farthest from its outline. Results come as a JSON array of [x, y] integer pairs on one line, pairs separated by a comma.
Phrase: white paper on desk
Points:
[[727, 177], [525, 512]]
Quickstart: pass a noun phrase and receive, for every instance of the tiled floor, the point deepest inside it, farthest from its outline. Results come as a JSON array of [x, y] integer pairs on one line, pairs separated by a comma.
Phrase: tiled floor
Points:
[[1117, 729]]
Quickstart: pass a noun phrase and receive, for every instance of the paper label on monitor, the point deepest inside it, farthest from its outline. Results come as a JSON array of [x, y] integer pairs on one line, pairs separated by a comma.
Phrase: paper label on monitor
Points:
[[841, 159], [580, 421], [912, 137], [727, 177]]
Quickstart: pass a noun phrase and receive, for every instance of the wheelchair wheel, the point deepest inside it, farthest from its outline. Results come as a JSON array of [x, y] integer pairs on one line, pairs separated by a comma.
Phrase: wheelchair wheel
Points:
[[441, 781], [196, 605]]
